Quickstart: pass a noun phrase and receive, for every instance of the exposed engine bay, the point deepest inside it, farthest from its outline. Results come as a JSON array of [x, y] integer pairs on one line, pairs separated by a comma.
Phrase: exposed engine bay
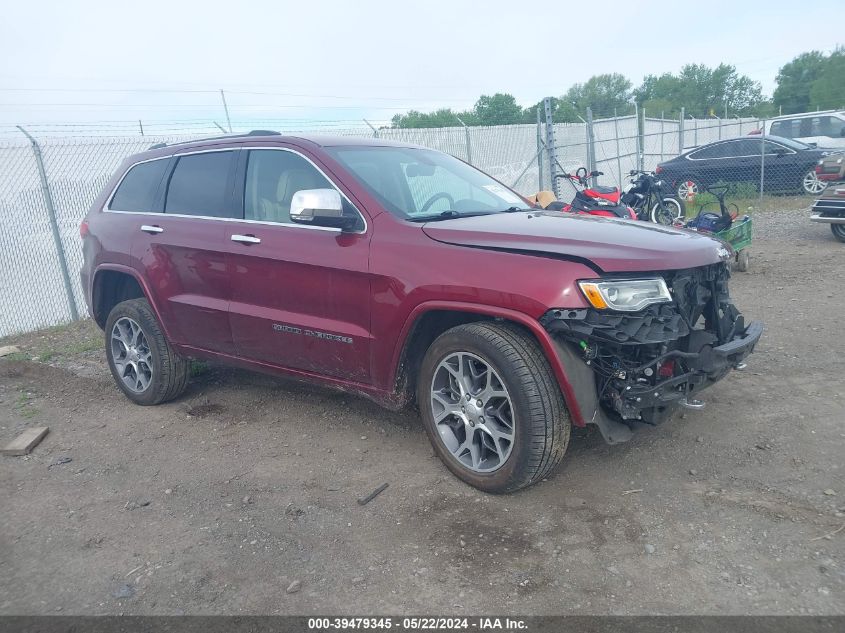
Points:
[[647, 362]]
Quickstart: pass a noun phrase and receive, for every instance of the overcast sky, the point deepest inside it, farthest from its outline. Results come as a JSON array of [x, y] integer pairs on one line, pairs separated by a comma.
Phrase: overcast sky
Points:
[[332, 60]]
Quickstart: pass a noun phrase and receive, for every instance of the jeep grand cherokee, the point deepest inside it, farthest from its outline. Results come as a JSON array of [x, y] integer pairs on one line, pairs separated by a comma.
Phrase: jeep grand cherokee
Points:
[[404, 274]]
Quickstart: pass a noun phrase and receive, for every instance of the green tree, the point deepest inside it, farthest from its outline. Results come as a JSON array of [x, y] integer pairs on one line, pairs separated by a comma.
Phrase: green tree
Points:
[[702, 91], [498, 109], [444, 117], [828, 91], [604, 94], [794, 81]]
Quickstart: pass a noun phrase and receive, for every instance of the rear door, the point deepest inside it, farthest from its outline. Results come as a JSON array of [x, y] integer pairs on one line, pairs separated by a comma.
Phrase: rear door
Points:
[[179, 250], [300, 295]]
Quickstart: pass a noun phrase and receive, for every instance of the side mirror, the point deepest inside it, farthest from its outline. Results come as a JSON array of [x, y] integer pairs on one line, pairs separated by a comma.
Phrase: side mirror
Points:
[[319, 207]]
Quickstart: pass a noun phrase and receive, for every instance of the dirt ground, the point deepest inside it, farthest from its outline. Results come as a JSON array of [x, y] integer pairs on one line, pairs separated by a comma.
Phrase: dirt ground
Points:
[[217, 503]]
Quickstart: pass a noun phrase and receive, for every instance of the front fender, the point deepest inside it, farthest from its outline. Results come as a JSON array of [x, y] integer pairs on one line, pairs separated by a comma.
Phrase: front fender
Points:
[[557, 361]]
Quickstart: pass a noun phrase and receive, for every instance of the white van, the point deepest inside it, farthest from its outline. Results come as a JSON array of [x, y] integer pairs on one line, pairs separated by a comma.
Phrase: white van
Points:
[[825, 129]]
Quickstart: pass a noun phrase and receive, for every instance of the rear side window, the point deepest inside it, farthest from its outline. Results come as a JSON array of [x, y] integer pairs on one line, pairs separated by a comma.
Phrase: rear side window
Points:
[[199, 185], [138, 188], [719, 150]]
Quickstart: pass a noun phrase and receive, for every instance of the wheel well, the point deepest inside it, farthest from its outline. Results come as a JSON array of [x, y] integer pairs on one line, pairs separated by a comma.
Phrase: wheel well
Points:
[[425, 330], [110, 288]]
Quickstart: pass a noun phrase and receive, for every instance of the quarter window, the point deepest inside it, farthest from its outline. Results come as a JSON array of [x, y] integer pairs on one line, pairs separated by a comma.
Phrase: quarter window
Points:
[[138, 188], [198, 185]]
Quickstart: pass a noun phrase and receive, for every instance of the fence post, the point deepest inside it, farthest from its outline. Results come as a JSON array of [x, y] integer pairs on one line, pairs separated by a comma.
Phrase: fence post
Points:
[[681, 131], [618, 159], [469, 144], [662, 132], [640, 142], [762, 159], [591, 146], [54, 227], [226, 108], [375, 131], [550, 143], [539, 153]]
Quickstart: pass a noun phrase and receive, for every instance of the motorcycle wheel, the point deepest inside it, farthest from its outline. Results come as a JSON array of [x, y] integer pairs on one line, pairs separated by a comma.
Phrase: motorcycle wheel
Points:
[[669, 212]]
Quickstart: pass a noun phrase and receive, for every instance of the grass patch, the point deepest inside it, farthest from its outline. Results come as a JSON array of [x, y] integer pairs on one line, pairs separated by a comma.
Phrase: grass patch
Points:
[[23, 405]]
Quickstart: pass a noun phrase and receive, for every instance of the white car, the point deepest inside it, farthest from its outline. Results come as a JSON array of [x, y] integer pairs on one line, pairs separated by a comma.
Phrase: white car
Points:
[[824, 129]]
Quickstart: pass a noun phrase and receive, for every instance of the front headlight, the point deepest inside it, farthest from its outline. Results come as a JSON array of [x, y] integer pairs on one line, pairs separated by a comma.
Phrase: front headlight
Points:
[[627, 295]]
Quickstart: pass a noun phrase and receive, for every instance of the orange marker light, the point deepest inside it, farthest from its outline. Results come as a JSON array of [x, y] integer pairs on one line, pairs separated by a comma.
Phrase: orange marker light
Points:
[[591, 291]]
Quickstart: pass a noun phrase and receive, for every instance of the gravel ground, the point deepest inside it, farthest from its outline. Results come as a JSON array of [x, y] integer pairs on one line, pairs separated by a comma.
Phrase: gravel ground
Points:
[[240, 497]]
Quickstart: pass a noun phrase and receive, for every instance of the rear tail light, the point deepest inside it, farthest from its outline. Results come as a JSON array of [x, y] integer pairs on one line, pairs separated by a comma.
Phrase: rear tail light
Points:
[[83, 229], [658, 170], [819, 169], [757, 131]]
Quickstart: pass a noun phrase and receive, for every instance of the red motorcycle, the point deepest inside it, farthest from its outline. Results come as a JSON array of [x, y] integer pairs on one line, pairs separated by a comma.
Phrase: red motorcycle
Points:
[[595, 199]]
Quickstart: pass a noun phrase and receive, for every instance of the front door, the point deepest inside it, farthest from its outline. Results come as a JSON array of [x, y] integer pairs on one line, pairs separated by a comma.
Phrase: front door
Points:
[[300, 296]]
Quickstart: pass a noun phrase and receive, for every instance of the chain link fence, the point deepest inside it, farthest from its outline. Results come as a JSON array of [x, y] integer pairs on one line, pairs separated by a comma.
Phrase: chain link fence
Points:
[[48, 184]]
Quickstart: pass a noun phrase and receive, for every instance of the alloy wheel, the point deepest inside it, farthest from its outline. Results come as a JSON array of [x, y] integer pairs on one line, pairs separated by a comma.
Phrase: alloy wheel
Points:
[[473, 413], [131, 355], [811, 183], [687, 189]]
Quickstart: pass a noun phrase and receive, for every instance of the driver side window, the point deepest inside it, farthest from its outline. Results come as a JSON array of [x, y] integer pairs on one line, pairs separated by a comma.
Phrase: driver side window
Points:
[[272, 177]]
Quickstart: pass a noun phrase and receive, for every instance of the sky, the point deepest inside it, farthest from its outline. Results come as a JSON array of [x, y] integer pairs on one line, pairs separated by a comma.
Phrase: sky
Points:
[[329, 63]]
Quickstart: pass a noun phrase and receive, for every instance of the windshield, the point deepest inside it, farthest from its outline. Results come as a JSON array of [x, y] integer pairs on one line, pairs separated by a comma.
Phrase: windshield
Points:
[[421, 184], [792, 143]]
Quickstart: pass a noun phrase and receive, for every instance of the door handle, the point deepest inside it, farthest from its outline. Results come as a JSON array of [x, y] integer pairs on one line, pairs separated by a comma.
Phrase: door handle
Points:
[[151, 229], [246, 239]]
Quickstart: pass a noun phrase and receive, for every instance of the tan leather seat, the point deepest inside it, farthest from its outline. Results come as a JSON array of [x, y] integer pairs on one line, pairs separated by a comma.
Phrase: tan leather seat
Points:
[[291, 181]]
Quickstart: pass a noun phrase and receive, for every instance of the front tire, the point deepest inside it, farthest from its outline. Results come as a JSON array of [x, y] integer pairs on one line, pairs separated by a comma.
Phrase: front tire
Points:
[[144, 366], [671, 211], [491, 406], [838, 231]]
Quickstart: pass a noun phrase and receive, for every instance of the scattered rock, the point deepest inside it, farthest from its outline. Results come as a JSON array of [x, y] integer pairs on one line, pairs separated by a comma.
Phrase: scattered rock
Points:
[[295, 586], [699, 439], [830, 492], [247, 499], [123, 592], [8, 350], [134, 505], [357, 580], [649, 548], [168, 491], [693, 471]]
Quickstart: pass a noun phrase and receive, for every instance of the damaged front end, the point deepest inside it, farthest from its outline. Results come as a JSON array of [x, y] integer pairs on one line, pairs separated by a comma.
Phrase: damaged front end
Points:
[[644, 362]]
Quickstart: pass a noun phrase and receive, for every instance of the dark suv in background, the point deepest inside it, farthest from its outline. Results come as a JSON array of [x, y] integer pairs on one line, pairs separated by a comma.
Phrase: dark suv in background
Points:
[[403, 274]]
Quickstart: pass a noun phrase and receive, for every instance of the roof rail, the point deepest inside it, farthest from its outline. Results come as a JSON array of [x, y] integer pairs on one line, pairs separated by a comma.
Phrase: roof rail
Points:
[[217, 138]]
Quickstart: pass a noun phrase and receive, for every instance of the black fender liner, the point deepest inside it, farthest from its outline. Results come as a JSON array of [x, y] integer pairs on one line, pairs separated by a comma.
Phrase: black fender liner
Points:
[[583, 382]]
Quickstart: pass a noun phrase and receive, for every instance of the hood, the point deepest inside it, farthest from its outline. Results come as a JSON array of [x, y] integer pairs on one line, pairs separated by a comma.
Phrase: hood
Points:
[[610, 244]]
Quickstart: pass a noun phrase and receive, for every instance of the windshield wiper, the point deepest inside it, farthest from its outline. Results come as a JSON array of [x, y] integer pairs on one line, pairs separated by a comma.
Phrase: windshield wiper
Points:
[[450, 214]]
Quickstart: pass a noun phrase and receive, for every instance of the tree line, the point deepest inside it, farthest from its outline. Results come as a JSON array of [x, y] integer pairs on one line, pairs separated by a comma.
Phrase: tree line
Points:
[[811, 81]]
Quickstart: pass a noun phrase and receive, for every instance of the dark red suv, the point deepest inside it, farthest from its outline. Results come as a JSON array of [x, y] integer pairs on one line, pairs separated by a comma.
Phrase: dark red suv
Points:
[[403, 274]]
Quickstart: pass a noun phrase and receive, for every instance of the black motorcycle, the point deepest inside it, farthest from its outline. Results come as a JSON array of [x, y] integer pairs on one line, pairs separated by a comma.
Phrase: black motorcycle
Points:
[[648, 196]]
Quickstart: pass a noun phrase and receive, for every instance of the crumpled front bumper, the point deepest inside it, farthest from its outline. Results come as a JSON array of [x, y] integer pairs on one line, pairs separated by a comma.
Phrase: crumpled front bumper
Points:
[[629, 369]]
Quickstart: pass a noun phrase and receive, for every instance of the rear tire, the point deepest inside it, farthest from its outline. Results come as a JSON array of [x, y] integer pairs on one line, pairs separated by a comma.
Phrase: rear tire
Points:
[[144, 366], [673, 210], [687, 186], [838, 231], [811, 185], [468, 433]]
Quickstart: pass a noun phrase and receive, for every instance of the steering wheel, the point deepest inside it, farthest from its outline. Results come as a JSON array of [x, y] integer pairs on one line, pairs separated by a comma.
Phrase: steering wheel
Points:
[[435, 198]]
